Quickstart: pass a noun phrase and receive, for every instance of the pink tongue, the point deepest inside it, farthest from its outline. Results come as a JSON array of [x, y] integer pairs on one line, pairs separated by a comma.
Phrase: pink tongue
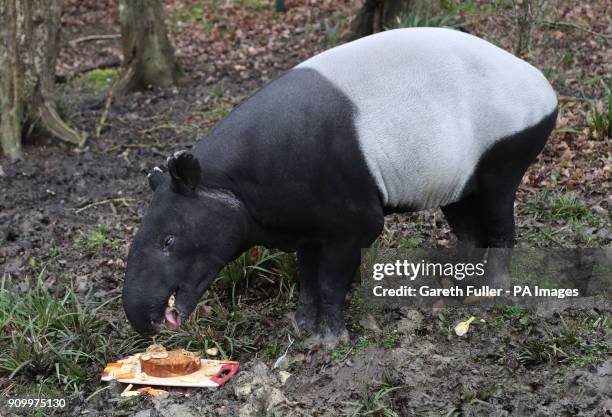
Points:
[[173, 320]]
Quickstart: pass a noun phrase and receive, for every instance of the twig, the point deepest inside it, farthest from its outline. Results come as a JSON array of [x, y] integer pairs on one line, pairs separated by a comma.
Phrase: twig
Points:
[[99, 203], [548, 235], [176, 128], [97, 392], [575, 26], [572, 98], [341, 361], [104, 114], [132, 145], [280, 359], [110, 63], [90, 38]]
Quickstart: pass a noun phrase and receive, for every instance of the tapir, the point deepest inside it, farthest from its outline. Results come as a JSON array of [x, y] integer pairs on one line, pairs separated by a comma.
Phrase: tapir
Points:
[[399, 121]]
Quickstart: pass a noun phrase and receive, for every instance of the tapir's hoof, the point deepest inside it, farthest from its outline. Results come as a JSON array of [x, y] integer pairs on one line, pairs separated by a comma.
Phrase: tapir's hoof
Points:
[[326, 342], [306, 320], [330, 340], [313, 342]]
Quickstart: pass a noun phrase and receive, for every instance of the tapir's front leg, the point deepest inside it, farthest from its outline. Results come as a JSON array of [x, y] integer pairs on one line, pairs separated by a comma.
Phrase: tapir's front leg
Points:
[[308, 270], [337, 266]]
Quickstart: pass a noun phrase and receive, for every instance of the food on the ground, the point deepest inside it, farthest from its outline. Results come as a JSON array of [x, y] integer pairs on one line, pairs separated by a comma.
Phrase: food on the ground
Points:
[[156, 348], [152, 391], [124, 375], [127, 392], [177, 363], [212, 351], [463, 327], [211, 368], [112, 366], [128, 361]]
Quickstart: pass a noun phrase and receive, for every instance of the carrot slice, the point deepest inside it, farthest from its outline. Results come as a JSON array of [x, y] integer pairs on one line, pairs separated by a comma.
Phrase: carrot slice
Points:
[[125, 375], [151, 391]]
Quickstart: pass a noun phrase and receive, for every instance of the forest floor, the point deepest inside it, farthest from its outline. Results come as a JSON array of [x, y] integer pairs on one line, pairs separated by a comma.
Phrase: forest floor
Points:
[[68, 216]]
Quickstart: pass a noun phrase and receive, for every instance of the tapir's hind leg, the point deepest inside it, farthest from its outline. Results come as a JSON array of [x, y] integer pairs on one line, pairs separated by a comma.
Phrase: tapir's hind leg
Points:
[[496, 180], [498, 219]]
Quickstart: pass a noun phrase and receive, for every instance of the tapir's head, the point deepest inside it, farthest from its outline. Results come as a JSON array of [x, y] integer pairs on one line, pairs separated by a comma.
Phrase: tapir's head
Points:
[[188, 234]]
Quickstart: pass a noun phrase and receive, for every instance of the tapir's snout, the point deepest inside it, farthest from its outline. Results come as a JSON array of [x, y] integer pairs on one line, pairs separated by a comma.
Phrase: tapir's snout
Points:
[[150, 306], [143, 304], [140, 313]]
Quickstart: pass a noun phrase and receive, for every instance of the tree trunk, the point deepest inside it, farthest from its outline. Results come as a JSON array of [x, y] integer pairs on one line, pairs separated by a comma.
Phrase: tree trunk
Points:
[[28, 48], [376, 16], [148, 55]]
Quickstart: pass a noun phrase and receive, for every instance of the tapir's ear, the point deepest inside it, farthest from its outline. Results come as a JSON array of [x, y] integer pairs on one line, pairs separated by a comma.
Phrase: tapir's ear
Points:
[[155, 178], [184, 171]]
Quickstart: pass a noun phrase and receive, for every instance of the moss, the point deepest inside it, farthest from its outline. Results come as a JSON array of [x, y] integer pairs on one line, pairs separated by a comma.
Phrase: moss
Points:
[[97, 81]]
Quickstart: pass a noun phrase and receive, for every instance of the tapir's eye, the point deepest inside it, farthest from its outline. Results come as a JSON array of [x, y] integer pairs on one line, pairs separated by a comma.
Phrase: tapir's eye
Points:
[[168, 241]]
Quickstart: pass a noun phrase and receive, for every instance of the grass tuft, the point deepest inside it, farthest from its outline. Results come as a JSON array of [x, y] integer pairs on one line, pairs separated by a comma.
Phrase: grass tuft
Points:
[[599, 118], [49, 340], [96, 240], [374, 403]]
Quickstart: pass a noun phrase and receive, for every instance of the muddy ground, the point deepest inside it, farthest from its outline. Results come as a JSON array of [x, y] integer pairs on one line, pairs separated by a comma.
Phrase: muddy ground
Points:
[[67, 217]]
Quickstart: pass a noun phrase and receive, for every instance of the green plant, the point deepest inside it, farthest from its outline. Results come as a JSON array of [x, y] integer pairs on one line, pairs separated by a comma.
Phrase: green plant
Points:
[[189, 13], [218, 112], [49, 340], [257, 262], [567, 207], [554, 76], [98, 80], [442, 326], [373, 404], [599, 121], [423, 16], [558, 206], [219, 90], [332, 31], [227, 330], [410, 242], [96, 240], [414, 18], [390, 339], [509, 315], [582, 342]]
